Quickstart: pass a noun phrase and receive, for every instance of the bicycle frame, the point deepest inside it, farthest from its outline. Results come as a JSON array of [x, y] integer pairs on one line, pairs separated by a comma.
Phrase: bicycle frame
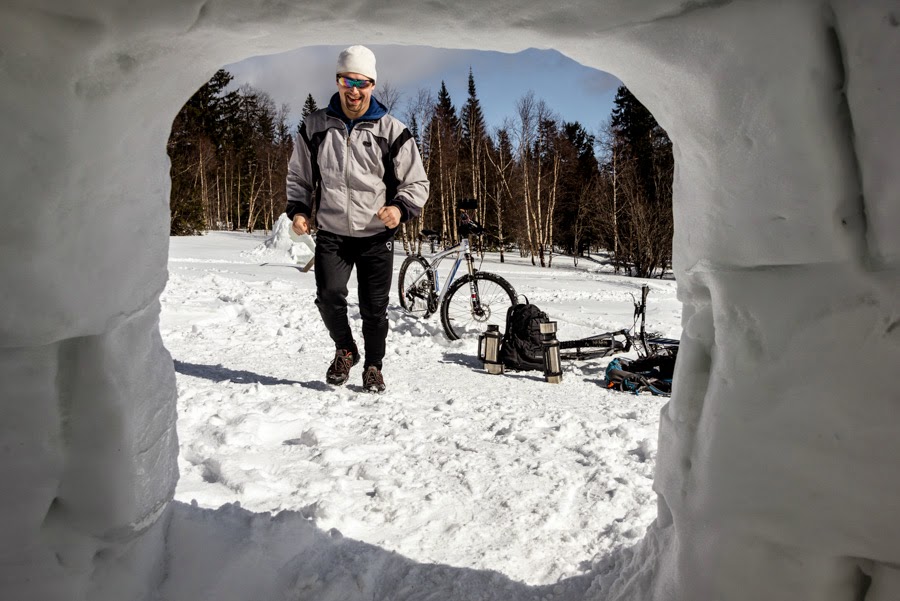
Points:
[[423, 292], [462, 250]]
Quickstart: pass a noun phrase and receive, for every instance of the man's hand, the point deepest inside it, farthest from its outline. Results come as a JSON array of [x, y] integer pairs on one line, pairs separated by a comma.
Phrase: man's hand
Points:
[[390, 216], [300, 224]]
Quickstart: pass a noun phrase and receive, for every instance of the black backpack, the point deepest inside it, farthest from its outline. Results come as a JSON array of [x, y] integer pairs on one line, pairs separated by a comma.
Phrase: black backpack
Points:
[[521, 349]]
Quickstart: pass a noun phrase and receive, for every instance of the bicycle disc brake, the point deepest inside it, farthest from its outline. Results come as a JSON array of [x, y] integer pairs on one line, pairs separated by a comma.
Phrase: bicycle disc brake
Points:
[[432, 303]]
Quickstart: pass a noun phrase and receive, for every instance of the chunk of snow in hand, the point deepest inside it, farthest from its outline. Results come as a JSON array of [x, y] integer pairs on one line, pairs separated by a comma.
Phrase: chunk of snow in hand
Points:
[[280, 242]]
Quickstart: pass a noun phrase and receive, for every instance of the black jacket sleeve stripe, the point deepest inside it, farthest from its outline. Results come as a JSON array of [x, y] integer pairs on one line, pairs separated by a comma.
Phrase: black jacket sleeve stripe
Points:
[[402, 139], [407, 209], [295, 207]]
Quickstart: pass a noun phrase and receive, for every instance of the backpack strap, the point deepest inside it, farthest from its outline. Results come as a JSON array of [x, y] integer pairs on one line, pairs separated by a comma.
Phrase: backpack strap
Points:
[[507, 330]]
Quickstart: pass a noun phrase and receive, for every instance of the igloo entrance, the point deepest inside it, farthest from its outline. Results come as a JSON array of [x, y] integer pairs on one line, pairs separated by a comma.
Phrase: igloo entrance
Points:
[[783, 122]]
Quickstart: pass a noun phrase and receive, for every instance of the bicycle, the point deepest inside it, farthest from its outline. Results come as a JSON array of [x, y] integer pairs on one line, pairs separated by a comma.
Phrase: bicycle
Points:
[[622, 341], [422, 292]]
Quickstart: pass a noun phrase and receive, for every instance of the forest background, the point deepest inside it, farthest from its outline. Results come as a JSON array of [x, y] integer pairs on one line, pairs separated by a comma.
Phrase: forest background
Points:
[[545, 186]]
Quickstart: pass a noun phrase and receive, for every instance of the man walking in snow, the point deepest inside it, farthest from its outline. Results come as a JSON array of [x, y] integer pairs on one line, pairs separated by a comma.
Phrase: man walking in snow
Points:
[[358, 170]]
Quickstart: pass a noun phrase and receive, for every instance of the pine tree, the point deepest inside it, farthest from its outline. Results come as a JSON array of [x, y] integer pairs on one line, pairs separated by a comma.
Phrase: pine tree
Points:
[[578, 172], [473, 129], [643, 175], [638, 131], [198, 131], [504, 143], [445, 112], [414, 130], [442, 135], [472, 116], [309, 106], [583, 143]]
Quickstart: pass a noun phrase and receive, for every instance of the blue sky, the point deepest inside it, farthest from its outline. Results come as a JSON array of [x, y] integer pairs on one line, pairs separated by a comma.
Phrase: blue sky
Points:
[[573, 91]]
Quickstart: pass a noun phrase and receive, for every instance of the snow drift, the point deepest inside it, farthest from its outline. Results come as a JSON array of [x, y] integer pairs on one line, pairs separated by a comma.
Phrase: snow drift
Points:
[[785, 129]]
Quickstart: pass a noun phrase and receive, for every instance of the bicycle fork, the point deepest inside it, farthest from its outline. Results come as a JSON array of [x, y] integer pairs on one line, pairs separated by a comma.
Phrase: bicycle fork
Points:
[[474, 298]]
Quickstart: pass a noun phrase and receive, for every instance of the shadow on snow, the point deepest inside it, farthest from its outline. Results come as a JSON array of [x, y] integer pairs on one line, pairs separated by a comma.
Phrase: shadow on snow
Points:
[[231, 554], [220, 373]]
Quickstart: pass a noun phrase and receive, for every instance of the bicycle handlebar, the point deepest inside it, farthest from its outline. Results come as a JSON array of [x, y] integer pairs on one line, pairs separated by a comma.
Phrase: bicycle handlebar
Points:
[[470, 227], [467, 227]]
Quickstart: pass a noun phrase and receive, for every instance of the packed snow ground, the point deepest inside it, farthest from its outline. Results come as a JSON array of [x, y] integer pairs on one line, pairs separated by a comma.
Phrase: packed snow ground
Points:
[[450, 465]]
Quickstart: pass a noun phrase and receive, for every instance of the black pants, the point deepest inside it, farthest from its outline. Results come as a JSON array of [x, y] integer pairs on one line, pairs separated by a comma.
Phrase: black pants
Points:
[[373, 257]]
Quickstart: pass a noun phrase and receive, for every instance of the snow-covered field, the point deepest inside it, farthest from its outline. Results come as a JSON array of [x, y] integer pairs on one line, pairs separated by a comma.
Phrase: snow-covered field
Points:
[[450, 465]]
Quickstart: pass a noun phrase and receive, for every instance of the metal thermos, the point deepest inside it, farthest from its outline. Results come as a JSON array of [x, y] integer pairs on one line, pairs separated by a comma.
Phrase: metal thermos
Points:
[[489, 349], [552, 364]]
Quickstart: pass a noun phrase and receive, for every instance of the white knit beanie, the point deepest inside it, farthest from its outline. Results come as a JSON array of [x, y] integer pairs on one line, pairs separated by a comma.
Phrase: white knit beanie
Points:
[[357, 59]]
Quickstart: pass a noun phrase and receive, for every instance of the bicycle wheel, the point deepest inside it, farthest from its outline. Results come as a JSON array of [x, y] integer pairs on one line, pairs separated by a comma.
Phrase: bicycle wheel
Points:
[[415, 286], [494, 296]]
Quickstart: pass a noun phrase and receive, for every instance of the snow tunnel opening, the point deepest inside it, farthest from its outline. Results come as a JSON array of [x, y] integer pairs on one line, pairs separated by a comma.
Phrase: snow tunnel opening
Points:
[[600, 175], [770, 183]]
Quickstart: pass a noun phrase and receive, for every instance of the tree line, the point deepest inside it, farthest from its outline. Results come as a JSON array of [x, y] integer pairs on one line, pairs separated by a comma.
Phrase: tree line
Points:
[[544, 185], [228, 152]]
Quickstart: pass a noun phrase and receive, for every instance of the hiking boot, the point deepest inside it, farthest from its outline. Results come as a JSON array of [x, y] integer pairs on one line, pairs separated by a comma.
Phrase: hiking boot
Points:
[[372, 380], [339, 370]]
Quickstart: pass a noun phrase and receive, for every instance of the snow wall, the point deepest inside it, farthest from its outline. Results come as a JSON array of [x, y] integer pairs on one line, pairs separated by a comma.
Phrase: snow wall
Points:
[[779, 455]]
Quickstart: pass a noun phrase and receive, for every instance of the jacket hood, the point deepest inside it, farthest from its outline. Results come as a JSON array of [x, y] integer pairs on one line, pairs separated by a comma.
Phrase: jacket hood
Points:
[[376, 110]]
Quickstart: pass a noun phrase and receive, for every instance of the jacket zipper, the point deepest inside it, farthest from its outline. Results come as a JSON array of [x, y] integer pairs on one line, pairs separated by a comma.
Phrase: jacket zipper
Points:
[[347, 185]]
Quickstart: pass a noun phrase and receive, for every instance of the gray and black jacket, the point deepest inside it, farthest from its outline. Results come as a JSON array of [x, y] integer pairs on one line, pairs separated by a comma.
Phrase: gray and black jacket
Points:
[[348, 169]]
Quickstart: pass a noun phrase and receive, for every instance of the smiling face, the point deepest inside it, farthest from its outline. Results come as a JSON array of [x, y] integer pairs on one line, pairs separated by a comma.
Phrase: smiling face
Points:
[[355, 100]]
